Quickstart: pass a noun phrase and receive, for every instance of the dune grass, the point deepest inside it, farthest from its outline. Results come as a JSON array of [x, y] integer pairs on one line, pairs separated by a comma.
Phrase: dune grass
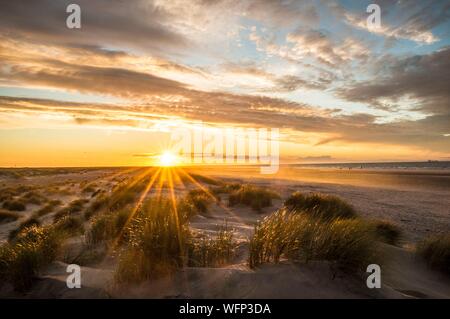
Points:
[[435, 251], [200, 200], [7, 216], [212, 251], [255, 197], [89, 189], [204, 179], [387, 232], [155, 241], [33, 197], [320, 205], [70, 226], [74, 206], [22, 226], [97, 205], [123, 194], [348, 244], [107, 226], [21, 260], [225, 188], [47, 209], [14, 205]]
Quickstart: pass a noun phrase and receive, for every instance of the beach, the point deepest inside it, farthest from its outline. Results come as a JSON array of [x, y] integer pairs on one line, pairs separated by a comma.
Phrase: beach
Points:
[[417, 202]]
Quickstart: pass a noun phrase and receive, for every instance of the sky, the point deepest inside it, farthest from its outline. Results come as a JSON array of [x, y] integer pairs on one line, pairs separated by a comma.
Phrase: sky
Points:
[[337, 90]]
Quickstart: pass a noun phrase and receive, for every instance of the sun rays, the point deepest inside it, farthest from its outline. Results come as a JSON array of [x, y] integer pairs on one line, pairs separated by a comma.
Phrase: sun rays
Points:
[[164, 181]]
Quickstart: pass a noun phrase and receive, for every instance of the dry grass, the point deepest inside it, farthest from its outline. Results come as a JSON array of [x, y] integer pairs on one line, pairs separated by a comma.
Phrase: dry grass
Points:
[[202, 179], [320, 206], [212, 251], [435, 251], [225, 188], [155, 241], [107, 226], [96, 206], [89, 189], [20, 261], [47, 209], [15, 205], [123, 194], [23, 226], [255, 197], [387, 232], [74, 206], [200, 200], [33, 197], [346, 243], [70, 226]]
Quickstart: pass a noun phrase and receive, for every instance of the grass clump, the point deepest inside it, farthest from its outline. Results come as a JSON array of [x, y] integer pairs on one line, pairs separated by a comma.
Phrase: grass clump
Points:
[[98, 204], [21, 261], [387, 232], [208, 251], [348, 244], [47, 209], [255, 197], [320, 205], [435, 251], [34, 198], [23, 226], [89, 189], [70, 225], [225, 188], [200, 200], [155, 243], [7, 216], [205, 179], [75, 206], [14, 205], [107, 226]]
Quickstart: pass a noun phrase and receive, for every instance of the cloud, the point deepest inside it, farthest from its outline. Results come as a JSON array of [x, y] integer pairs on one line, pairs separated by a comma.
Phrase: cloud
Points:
[[278, 83], [223, 109], [413, 20], [424, 78], [85, 78], [318, 44], [162, 58], [104, 23]]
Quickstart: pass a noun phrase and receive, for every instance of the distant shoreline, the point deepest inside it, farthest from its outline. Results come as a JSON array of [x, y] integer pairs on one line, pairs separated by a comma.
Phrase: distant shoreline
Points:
[[416, 165]]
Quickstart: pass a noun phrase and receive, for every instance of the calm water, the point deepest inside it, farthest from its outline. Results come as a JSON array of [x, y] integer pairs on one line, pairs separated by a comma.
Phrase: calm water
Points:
[[436, 165]]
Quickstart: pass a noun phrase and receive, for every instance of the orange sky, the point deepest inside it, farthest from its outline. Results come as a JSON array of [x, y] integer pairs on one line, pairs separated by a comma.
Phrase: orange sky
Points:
[[114, 90]]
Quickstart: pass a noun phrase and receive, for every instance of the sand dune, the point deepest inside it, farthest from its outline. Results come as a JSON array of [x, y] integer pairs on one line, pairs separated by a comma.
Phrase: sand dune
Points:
[[417, 212]]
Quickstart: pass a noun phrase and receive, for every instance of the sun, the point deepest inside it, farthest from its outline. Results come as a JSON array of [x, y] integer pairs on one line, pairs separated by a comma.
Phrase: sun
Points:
[[167, 159]]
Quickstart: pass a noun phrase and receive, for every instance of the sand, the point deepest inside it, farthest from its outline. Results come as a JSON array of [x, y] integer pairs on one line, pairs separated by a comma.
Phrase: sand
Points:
[[420, 210]]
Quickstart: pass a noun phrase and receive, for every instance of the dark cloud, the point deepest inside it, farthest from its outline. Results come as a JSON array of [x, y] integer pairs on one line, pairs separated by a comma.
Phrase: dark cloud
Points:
[[84, 78], [416, 17], [423, 77], [253, 111], [107, 23]]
